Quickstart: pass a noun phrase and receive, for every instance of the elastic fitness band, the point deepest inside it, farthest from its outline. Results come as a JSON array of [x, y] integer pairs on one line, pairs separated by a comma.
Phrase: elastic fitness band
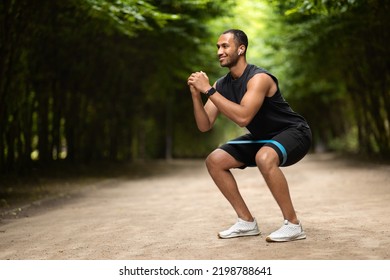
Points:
[[276, 143]]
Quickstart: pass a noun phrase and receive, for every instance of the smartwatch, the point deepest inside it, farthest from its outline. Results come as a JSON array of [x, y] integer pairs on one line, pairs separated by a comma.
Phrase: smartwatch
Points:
[[210, 92]]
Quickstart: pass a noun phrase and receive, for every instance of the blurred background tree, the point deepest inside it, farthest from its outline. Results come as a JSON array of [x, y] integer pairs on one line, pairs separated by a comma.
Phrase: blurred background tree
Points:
[[334, 61], [105, 80]]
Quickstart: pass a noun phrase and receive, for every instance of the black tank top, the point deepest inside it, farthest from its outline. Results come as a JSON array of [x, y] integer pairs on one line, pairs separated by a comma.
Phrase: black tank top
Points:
[[275, 114]]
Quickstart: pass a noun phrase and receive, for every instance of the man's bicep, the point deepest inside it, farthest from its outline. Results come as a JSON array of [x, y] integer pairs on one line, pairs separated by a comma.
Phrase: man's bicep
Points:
[[257, 89]]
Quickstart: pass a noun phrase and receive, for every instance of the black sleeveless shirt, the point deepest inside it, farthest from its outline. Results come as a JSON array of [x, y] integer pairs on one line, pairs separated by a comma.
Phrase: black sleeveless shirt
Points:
[[275, 114]]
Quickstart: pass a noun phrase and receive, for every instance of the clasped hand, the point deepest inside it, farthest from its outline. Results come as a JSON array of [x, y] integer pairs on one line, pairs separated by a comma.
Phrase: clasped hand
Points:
[[199, 81]]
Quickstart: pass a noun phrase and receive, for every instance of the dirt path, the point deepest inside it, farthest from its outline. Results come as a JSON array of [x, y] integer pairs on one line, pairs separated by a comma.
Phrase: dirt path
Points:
[[344, 208]]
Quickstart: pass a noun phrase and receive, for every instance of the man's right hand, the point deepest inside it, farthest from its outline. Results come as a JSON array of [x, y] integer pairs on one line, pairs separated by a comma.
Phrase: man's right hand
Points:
[[194, 91]]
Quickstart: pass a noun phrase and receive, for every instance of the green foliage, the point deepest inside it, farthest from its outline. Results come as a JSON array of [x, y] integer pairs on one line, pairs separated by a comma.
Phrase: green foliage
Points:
[[130, 16], [335, 58], [96, 80], [99, 80]]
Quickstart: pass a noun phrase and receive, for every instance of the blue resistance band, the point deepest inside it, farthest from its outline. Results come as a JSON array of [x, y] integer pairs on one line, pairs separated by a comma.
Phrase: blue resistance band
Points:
[[276, 143]]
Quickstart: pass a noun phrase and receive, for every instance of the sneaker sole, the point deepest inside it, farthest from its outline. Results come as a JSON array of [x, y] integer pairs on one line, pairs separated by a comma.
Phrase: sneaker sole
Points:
[[243, 234], [299, 237]]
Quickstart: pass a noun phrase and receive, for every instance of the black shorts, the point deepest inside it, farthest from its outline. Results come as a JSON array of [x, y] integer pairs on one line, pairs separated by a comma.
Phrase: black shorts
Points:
[[291, 145]]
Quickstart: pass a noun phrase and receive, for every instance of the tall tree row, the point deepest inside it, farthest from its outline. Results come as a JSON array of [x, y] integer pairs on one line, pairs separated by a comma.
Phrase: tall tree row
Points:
[[96, 79], [336, 63]]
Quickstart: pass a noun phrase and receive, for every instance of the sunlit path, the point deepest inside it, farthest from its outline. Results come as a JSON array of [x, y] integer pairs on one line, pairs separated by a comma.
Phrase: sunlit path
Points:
[[176, 215]]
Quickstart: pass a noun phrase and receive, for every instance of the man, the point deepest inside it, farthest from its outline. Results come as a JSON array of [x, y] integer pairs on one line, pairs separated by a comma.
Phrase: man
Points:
[[250, 96]]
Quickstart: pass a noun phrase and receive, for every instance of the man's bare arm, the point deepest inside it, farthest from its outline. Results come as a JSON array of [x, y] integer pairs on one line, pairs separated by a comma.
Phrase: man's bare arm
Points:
[[205, 115], [260, 86]]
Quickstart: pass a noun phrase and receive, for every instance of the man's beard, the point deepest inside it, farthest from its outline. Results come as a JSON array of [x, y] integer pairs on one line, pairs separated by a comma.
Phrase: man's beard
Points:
[[230, 63]]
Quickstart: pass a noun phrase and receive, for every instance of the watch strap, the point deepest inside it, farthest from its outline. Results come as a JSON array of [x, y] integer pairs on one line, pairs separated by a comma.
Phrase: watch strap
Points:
[[211, 91]]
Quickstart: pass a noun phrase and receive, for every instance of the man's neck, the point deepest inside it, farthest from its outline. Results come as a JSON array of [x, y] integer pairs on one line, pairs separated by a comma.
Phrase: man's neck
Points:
[[237, 70]]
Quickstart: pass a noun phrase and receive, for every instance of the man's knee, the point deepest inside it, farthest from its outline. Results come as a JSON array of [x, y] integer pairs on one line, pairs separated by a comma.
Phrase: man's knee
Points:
[[213, 159], [266, 159], [220, 159]]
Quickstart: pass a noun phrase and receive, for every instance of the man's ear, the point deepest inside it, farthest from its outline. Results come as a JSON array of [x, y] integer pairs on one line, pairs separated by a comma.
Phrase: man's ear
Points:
[[241, 50]]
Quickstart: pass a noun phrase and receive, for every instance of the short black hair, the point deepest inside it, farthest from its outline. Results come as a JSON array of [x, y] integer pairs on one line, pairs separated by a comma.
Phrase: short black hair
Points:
[[239, 37]]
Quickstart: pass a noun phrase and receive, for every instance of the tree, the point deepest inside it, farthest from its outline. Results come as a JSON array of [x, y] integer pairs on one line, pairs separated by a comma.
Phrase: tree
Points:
[[339, 63], [95, 79]]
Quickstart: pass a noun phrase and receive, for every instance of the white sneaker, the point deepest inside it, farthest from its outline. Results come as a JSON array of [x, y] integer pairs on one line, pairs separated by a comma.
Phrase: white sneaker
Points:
[[241, 228], [288, 232]]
